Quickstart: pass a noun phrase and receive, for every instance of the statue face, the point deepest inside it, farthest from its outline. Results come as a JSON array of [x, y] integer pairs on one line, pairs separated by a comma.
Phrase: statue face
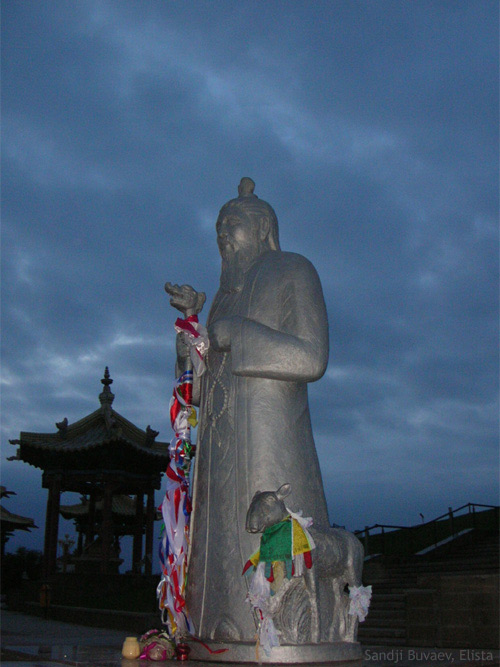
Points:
[[237, 234]]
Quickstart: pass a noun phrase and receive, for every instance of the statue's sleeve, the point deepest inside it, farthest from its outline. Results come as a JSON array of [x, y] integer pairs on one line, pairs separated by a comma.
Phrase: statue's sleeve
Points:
[[295, 346]]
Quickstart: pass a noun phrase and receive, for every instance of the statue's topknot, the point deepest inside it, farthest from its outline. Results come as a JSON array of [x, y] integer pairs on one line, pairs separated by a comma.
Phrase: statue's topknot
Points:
[[246, 187]]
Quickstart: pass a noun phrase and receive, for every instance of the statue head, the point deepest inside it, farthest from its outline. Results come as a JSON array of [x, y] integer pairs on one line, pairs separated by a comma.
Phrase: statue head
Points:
[[254, 210], [246, 227]]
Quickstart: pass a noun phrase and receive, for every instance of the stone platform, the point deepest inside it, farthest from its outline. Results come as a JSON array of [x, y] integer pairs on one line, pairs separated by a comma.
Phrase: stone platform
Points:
[[337, 653], [30, 641]]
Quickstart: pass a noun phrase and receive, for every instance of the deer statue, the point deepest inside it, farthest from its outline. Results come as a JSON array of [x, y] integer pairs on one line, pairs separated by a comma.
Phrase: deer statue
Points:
[[336, 563]]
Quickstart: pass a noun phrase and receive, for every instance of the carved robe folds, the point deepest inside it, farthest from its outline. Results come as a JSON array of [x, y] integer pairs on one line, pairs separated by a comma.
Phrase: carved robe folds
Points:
[[255, 431]]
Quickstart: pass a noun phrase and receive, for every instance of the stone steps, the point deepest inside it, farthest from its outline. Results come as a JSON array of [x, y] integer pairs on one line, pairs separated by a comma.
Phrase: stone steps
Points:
[[410, 571], [380, 614], [381, 636], [387, 600], [386, 623]]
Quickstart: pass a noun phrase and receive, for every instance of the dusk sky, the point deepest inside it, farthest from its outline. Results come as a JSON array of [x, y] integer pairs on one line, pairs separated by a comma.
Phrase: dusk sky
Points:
[[370, 127]]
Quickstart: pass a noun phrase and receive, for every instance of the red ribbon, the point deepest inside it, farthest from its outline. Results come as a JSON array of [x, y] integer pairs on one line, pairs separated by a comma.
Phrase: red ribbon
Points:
[[186, 325], [220, 650]]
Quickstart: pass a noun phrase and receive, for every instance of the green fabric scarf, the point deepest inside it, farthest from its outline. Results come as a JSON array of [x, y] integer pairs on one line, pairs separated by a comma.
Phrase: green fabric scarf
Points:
[[276, 542]]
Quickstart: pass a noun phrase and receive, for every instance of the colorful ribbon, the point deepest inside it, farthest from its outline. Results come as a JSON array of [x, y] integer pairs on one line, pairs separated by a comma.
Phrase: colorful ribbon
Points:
[[176, 507], [197, 338], [176, 510]]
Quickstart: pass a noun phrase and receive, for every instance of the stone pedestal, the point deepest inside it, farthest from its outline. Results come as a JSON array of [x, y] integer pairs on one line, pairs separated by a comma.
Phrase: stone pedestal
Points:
[[336, 653]]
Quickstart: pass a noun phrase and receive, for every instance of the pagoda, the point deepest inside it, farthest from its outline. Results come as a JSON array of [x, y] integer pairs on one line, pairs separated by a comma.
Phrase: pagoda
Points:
[[103, 457], [87, 520], [10, 522]]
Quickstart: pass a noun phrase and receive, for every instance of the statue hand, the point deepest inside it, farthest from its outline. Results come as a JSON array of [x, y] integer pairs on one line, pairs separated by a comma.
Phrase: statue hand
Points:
[[185, 298], [219, 334]]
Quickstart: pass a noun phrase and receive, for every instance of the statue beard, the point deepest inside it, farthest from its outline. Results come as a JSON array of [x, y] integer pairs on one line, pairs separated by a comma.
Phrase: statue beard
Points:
[[235, 264]]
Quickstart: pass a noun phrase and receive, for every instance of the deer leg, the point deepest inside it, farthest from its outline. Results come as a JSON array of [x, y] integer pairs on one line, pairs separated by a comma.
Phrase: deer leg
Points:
[[351, 621], [310, 578], [337, 630]]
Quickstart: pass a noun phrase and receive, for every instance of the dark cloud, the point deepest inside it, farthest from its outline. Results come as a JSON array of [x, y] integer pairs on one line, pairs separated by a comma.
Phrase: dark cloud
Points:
[[371, 128]]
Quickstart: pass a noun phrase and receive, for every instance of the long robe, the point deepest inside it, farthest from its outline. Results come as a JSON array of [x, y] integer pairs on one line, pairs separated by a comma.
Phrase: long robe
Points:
[[255, 431]]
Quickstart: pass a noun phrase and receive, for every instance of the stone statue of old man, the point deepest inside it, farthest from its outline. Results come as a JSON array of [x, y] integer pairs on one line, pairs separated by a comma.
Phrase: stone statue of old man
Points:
[[268, 335]]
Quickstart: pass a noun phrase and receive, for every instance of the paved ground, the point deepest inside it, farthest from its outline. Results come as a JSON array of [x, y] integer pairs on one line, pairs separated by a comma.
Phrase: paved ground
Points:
[[35, 641], [29, 641]]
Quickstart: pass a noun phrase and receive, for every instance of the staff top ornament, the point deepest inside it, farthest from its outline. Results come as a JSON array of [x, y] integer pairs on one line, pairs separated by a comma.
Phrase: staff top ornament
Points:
[[190, 302], [185, 298]]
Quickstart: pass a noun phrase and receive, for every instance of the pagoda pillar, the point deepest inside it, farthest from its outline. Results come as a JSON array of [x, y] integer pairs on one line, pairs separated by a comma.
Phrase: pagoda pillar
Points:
[[139, 522], [150, 519], [106, 528], [52, 526], [46, 543], [89, 537], [79, 547]]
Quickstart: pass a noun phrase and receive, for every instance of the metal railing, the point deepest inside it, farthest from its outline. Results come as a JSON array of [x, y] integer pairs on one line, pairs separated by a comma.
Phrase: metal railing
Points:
[[393, 540]]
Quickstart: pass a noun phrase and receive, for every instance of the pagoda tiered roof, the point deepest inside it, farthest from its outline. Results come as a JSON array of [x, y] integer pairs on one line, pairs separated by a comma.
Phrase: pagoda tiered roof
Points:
[[10, 521], [103, 440]]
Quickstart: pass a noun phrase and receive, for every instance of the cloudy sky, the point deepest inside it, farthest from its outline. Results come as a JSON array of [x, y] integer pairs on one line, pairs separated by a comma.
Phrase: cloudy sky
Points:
[[372, 129]]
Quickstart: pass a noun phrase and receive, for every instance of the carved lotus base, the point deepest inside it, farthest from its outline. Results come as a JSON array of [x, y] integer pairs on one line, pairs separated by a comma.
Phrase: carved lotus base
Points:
[[339, 654]]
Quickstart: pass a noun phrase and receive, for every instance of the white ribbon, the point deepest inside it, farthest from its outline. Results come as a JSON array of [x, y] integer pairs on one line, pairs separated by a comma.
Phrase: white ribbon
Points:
[[268, 636], [176, 535], [360, 601], [198, 345], [258, 596]]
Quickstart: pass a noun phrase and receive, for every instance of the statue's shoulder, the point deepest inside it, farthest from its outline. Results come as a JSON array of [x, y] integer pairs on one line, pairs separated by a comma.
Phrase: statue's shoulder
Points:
[[281, 263]]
